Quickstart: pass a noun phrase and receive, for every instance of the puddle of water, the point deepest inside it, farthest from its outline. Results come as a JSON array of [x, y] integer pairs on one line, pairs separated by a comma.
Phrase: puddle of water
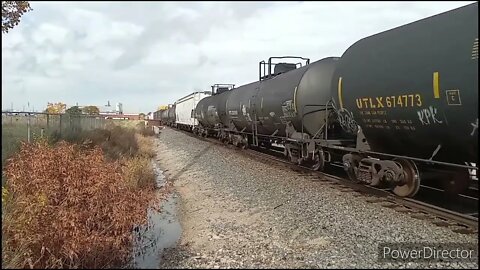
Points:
[[162, 230], [160, 179]]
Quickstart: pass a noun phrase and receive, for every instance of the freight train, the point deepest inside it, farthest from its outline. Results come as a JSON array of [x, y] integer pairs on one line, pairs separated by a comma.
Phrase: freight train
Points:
[[396, 109]]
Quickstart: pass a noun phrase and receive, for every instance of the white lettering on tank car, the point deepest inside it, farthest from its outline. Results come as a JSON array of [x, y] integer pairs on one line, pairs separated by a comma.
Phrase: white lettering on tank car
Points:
[[246, 114], [346, 120], [428, 116], [475, 127], [288, 109]]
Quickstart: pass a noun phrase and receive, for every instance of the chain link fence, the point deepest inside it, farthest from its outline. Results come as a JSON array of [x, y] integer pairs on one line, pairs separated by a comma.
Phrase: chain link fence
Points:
[[27, 126]]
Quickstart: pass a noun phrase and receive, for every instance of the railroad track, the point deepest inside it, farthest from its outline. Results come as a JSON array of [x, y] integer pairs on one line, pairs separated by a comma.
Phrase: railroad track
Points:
[[457, 222]]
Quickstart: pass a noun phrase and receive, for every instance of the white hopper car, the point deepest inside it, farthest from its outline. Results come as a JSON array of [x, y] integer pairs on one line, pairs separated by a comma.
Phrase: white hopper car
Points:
[[184, 110]]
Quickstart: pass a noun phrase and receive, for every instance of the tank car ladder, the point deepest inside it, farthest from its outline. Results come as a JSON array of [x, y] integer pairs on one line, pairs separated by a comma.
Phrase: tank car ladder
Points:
[[254, 132], [255, 119]]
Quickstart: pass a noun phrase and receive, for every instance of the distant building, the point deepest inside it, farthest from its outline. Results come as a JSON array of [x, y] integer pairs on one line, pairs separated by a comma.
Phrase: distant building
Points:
[[109, 109], [119, 108]]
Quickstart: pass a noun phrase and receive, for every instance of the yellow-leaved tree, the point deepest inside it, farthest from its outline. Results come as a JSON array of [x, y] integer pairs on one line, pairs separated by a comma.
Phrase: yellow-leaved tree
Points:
[[58, 107]]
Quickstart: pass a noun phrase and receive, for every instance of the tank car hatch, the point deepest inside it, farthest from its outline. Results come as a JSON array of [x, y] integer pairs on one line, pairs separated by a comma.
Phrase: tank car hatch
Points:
[[220, 88], [278, 68], [283, 67]]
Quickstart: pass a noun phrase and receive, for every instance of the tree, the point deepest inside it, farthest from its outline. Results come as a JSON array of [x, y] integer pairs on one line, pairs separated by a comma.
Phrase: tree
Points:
[[11, 13], [74, 110], [91, 110], [141, 116], [58, 107], [162, 107]]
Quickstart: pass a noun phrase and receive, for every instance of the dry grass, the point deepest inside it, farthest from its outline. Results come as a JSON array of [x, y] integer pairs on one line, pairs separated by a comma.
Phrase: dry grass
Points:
[[74, 205], [138, 170], [126, 123], [147, 131], [145, 146], [139, 173], [116, 142]]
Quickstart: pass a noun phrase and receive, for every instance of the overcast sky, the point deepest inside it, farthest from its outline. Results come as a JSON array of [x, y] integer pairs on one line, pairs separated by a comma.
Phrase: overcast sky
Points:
[[146, 54]]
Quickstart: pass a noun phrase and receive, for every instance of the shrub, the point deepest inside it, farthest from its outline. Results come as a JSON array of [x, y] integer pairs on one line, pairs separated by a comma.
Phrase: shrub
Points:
[[69, 208]]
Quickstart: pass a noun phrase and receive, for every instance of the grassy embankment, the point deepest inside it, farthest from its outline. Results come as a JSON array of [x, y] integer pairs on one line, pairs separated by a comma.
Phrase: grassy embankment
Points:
[[73, 201]]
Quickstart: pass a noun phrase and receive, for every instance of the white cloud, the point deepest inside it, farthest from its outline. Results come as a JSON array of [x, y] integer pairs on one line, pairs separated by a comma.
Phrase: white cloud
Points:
[[15, 38], [49, 32], [144, 54]]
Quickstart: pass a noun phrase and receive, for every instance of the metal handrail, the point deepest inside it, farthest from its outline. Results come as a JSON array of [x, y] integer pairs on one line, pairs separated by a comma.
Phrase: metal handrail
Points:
[[314, 111]]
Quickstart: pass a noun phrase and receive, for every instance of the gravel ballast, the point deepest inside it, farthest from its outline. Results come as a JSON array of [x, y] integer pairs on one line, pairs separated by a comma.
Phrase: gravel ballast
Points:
[[238, 212]]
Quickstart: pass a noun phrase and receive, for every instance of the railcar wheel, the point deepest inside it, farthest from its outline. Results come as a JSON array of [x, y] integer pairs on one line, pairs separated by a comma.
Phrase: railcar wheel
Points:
[[243, 146], [293, 159], [224, 139], [319, 161], [350, 165], [411, 180]]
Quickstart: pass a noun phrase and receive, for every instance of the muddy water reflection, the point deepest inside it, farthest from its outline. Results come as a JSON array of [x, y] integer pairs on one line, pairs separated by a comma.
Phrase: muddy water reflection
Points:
[[162, 231]]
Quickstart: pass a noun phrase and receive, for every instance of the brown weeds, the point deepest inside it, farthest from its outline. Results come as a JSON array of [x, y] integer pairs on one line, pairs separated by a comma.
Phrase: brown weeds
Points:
[[70, 207]]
